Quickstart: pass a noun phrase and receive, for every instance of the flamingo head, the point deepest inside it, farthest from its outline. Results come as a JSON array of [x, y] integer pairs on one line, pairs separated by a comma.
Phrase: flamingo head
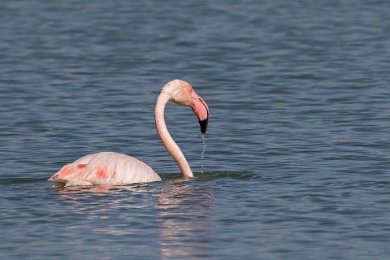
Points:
[[182, 93]]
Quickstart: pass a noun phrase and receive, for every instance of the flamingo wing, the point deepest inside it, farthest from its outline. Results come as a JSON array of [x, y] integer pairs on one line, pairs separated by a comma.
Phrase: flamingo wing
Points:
[[105, 168]]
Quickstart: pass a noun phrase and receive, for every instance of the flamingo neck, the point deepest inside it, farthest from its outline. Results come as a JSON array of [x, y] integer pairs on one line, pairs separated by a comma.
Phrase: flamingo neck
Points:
[[167, 140]]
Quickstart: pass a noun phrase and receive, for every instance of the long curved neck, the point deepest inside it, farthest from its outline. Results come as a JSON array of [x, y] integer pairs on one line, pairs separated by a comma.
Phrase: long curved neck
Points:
[[170, 144]]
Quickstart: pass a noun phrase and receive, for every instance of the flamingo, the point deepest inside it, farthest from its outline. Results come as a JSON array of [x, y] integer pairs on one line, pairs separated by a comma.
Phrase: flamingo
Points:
[[110, 168]]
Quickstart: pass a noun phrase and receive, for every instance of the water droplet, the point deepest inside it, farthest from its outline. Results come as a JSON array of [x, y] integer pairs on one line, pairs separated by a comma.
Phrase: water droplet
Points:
[[203, 151]]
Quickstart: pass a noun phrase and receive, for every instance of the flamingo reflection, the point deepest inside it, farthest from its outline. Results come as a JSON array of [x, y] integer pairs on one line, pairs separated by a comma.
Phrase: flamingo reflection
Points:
[[184, 211]]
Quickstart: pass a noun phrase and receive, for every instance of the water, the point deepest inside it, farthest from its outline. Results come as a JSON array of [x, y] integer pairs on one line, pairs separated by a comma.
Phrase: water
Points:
[[297, 160]]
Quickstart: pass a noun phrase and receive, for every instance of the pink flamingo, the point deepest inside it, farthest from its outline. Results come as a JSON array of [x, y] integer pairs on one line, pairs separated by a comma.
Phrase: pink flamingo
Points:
[[109, 168]]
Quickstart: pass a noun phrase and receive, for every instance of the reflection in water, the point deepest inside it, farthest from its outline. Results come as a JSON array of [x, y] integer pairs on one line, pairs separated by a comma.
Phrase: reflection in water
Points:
[[185, 214], [182, 214], [110, 209], [71, 190]]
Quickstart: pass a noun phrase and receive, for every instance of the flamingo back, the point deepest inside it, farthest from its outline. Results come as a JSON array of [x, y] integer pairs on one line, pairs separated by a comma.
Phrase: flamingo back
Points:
[[105, 168]]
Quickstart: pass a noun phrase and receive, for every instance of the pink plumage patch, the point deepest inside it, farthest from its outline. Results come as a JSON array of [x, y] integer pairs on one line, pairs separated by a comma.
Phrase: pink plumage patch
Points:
[[101, 172], [66, 171], [81, 166]]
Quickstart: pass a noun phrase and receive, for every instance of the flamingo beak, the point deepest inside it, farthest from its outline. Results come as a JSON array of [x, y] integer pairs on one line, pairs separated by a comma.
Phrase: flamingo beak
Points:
[[201, 110]]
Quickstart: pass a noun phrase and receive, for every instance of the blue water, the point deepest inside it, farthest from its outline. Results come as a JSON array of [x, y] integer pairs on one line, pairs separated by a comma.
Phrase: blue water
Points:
[[298, 147]]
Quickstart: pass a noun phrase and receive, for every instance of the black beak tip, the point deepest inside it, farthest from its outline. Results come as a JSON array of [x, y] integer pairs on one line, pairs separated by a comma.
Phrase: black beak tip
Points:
[[203, 126]]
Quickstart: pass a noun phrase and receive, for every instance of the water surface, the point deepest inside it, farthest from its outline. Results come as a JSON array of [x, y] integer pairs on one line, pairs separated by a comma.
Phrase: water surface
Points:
[[297, 158]]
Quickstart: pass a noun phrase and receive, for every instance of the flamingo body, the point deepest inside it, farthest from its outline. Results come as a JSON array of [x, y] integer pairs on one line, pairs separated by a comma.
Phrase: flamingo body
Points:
[[108, 168], [105, 168]]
